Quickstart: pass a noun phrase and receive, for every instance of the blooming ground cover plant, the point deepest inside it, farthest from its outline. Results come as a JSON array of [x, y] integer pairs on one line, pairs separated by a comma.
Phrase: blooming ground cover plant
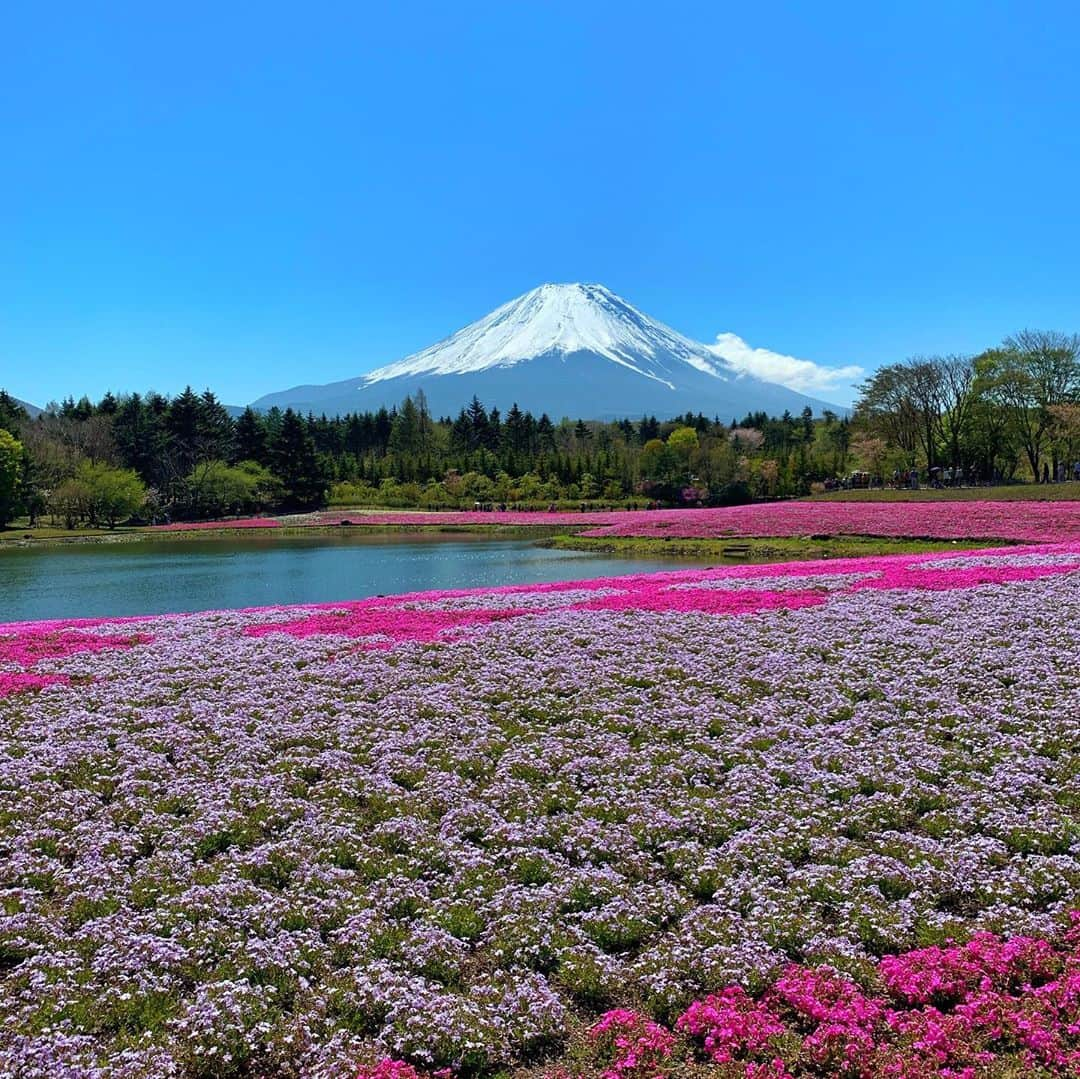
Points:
[[989, 1006], [1035, 522], [246, 522], [694, 813]]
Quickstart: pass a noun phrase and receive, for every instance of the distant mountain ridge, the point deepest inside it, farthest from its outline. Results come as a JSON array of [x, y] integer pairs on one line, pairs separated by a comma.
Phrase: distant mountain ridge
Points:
[[575, 350], [32, 410]]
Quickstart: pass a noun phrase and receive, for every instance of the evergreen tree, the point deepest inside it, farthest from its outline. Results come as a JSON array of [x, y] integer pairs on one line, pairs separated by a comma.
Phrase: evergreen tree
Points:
[[250, 437], [545, 434], [12, 414], [296, 464], [139, 432], [479, 427], [648, 430], [405, 429], [214, 429], [182, 425], [494, 431], [515, 430], [461, 433]]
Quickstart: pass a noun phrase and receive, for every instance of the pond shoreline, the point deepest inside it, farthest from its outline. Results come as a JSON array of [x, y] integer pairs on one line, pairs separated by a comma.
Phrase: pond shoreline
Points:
[[231, 571], [21, 539]]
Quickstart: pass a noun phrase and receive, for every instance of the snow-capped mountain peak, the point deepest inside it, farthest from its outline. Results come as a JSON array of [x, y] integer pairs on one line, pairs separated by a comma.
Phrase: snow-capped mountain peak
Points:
[[558, 319], [574, 350]]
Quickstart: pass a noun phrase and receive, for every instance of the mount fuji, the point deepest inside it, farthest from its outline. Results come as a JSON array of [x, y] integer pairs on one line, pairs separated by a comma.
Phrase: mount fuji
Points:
[[568, 350]]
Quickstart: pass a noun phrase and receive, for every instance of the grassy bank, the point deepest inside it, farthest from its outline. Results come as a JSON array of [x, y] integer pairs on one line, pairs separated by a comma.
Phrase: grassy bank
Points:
[[62, 537], [21, 535], [757, 548]]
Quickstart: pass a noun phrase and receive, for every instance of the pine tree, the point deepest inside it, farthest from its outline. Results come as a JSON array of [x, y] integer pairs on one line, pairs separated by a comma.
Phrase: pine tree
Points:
[[479, 427], [494, 431], [545, 434], [405, 430], [139, 432], [296, 463], [515, 430], [250, 444], [182, 425], [12, 414], [215, 429]]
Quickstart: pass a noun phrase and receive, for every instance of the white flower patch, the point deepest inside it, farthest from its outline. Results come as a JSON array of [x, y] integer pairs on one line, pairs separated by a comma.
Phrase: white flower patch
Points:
[[819, 582]]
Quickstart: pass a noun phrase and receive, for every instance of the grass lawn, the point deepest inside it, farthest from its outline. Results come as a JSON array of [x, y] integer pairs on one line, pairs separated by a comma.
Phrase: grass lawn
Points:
[[757, 548], [20, 532]]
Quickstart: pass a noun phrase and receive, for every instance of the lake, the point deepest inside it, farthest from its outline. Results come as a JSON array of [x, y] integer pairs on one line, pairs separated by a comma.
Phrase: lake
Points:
[[159, 576]]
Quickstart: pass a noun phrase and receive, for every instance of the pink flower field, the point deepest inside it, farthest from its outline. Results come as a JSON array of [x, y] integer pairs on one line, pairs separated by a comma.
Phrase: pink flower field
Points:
[[1029, 522], [808, 819], [1018, 522], [190, 526], [1034, 522]]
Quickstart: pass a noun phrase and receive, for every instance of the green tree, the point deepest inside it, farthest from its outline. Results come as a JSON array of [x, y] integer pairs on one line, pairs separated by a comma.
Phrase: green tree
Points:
[[31, 494], [71, 501], [1032, 372], [297, 465], [215, 488], [112, 493], [12, 414], [139, 432], [11, 465], [251, 437], [657, 462], [683, 442]]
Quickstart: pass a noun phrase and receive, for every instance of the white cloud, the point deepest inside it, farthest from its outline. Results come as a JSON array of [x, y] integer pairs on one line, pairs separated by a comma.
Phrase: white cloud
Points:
[[805, 376]]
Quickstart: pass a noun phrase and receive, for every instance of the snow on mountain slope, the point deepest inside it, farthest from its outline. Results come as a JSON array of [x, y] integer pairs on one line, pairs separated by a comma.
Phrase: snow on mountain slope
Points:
[[564, 319], [572, 350]]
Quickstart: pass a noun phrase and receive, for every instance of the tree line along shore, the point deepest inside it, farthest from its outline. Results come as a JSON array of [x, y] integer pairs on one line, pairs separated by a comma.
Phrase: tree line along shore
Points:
[[1009, 415]]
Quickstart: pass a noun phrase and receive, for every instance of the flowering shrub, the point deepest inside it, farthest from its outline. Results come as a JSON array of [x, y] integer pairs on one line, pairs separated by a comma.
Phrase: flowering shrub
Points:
[[248, 843]]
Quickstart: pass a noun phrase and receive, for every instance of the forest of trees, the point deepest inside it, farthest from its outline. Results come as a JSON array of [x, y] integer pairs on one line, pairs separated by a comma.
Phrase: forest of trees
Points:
[[1010, 413], [157, 458]]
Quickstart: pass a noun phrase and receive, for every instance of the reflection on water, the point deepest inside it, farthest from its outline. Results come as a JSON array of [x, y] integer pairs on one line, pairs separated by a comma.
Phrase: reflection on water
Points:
[[159, 576]]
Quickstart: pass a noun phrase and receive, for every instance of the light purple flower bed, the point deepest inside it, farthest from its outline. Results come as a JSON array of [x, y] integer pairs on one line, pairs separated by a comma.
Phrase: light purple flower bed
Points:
[[233, 847]]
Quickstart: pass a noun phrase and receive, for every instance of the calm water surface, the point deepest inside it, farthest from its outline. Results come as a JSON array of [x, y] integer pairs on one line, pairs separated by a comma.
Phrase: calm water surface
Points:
[[155, 577]]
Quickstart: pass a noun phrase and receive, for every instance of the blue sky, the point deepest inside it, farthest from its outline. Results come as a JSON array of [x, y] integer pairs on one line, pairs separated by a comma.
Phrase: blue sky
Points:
[[253, 196]]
